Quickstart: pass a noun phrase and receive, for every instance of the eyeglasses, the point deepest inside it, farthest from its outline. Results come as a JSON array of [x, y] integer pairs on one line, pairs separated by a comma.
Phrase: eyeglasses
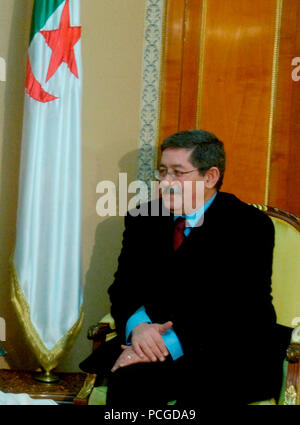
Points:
[[161, 174]]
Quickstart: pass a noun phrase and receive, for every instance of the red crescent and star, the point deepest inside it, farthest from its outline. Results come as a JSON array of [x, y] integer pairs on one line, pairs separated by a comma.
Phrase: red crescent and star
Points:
[[61, 41]]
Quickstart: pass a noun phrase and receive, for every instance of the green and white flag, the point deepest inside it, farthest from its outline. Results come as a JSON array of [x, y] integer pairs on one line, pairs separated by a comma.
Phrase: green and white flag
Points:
[[46, 278]]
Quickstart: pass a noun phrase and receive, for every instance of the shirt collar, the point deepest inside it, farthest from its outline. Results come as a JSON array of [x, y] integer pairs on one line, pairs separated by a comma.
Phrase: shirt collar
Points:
[[193, 219]]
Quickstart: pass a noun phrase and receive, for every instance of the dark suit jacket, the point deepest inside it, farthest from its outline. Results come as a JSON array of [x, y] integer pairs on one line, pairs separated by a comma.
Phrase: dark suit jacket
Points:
[[221, 273], [216, 288]]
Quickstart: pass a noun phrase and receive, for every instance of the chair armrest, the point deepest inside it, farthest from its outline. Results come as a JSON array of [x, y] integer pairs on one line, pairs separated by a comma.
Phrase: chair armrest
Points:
[[98, 332], [293, 352], [103, 331], [296, 335], [292, 391]]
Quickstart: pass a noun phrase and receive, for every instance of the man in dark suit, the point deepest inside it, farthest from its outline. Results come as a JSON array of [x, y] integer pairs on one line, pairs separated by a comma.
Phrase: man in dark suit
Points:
[[192, 304]]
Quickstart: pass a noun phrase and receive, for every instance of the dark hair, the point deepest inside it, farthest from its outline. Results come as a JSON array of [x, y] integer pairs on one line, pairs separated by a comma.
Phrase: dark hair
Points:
[[207, 150]]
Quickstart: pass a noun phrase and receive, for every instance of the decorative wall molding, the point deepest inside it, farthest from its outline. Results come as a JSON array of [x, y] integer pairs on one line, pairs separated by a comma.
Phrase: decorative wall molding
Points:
[[150, 97]]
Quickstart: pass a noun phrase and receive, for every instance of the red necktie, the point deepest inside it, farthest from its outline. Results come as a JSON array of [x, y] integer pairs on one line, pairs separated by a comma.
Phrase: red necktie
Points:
[[179, 232]]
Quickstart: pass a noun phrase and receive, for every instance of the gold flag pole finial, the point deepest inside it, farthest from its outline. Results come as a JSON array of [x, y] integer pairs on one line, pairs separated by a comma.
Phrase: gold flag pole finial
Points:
[[46, 377]]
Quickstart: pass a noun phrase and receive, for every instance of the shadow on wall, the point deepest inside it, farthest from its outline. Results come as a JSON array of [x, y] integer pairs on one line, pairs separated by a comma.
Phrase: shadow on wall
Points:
[[102, 267], [106, 250], [18, 353]]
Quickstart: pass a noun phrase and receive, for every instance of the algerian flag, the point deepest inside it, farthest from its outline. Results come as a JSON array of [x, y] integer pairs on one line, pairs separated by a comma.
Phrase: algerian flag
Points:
[[46, 280]]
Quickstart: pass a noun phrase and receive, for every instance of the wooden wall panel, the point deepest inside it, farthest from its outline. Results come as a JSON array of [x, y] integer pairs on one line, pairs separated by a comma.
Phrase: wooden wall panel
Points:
[[236, 87], [190, 65], [284, 182], [172, 68], [180, 66], [227, 69]]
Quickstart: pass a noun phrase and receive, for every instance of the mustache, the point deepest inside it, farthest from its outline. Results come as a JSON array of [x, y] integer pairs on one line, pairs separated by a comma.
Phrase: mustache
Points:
[[172, 190]]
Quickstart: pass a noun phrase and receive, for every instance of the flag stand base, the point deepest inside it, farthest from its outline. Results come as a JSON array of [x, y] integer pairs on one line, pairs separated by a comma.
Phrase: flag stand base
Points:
[[46, 377]]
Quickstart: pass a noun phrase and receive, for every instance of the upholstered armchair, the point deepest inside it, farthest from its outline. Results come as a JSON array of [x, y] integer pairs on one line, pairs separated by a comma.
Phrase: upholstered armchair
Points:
[[286, 299]]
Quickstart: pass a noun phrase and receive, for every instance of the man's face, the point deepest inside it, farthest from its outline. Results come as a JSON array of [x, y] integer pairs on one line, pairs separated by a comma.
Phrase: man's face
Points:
[[186, 184]]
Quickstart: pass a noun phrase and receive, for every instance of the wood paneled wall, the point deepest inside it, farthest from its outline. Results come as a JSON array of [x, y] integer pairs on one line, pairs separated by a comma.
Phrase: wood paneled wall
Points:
[[227, 69], [284, 183]]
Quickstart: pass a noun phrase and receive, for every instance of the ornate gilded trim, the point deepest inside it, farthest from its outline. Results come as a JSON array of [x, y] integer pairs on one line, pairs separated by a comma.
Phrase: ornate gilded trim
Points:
[[87, 387], [298, 388], [296, 334], [150, 98], [293, 353], [48, 359], [290, 396], [201, 62], [274, 84], [281, 214], [260, 207]]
